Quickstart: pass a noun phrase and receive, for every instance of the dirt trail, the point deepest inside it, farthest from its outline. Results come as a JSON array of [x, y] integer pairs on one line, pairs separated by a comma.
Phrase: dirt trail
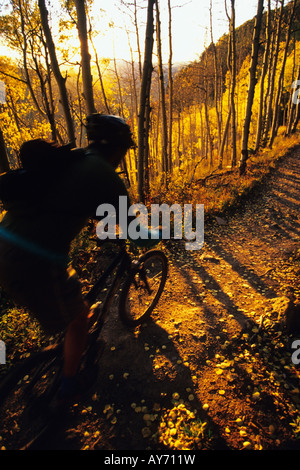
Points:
[[215, 342]]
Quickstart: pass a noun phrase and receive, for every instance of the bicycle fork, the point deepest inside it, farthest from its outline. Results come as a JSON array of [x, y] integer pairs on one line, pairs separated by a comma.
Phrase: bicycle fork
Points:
[[142, 277]]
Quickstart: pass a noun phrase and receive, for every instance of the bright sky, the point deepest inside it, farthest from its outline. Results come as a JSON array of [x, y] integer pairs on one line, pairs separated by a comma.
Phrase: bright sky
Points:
[[190, 26]]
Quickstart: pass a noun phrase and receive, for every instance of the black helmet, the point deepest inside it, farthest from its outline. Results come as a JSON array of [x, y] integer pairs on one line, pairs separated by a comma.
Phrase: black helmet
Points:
[[109, 130]]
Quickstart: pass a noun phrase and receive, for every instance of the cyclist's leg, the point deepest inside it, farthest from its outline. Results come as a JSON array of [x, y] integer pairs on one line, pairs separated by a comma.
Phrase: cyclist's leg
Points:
[[75, 341], [53, 296], [74, 311]]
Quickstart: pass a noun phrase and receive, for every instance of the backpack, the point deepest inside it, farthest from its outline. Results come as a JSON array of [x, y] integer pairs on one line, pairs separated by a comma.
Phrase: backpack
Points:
[[42, 165]]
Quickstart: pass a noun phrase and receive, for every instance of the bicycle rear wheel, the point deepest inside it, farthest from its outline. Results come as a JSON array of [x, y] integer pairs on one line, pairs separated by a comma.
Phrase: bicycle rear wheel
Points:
[[143, 288], [25, 398]]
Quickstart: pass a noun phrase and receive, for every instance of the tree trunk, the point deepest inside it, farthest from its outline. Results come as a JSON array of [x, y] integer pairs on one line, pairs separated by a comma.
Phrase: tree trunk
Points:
[[208, 129], [294, 105], [90, 36], [290, 110], [137, 38], [251, 88], [45, 99], [145, 87], [163, 95], [50, 88], [4, 163], [147, 174], [121, 108], [24, 53], [233, 84], [273, 29], [61, 83], [225, 135], [85, 57], [178, 153], [101, 80], [281, 77], [170, 78], [226, 130], [133, 72], [296, 119], [273, 75], [216, 79], [262, 82]]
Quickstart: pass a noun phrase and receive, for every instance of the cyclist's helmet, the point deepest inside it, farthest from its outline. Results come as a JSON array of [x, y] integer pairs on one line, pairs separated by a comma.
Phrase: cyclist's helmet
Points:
[[109, 130]]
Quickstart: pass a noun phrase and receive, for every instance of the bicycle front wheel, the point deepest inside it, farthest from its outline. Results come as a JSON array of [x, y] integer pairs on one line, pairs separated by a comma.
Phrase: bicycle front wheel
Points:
[[25, 395], [143, 288]]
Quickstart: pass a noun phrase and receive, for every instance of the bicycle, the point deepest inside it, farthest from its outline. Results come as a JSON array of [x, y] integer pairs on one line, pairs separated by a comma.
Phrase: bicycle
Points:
[[28, 390]]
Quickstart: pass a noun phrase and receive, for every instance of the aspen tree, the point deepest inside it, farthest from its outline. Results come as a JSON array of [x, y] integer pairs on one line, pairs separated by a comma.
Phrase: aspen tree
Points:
[[87, 80], [61, 82], [143, 129], [262, 79], [170, 78], [281, 77], [162, 93], [251, 88], [271, 86]]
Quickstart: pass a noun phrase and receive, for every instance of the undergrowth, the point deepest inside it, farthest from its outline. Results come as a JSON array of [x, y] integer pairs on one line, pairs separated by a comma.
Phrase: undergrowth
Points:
[[224, 189]]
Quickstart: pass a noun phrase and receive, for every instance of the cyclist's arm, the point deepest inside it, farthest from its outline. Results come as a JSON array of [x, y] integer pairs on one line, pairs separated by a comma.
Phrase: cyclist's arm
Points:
[[112, 188]]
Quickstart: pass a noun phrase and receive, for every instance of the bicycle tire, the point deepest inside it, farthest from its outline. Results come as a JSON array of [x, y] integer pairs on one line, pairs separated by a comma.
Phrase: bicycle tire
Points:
[[25, 397], [134, 295]]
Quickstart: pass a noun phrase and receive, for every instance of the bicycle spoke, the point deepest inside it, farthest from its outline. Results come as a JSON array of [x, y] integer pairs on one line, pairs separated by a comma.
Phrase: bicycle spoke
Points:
[[143, 289]]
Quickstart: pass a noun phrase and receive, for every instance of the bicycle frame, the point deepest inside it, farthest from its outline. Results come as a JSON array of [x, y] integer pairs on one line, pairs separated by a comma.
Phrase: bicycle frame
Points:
[[50, 358], [122, 262]]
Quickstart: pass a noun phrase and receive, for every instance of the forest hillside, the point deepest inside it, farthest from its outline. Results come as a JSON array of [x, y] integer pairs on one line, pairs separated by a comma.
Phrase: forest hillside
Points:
[[196, 121]]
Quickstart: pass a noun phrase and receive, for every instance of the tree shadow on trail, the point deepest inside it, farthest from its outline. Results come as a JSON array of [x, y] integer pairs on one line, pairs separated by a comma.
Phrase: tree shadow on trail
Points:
[[210, 284], [156, 371], [246, 273], [139, 372]]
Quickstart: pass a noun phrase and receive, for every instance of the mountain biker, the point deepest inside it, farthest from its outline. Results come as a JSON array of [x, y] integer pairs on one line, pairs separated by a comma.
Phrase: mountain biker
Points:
[[47, 204]]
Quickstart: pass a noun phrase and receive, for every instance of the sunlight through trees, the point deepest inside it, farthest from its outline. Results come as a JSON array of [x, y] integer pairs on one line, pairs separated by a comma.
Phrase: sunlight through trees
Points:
[[189, 120]]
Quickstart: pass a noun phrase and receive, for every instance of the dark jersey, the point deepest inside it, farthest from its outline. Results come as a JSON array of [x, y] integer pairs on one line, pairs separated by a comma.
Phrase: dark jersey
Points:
[[51, 211]]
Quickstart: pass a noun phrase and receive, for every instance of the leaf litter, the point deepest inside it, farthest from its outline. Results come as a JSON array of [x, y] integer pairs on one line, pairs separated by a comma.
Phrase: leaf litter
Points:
[[213, 369]]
